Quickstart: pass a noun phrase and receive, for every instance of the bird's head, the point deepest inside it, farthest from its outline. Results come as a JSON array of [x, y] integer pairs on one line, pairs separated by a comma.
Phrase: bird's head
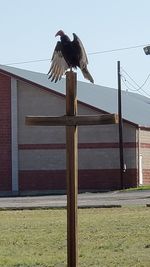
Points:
[[60, 33]]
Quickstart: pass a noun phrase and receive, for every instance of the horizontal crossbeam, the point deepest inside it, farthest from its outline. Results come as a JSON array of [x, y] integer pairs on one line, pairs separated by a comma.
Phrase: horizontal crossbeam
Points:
[[72, 120]]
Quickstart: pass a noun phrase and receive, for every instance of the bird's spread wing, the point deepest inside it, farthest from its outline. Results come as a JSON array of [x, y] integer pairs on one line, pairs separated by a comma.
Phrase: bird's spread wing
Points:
[[83, 56], [83, 60], [58, 64]]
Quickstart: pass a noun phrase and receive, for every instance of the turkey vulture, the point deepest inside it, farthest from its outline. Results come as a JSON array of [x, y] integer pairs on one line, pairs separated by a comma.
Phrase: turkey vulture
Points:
[[68, 54]]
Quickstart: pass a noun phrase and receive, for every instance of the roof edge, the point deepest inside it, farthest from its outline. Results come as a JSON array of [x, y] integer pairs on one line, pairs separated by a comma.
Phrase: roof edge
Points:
[[146, 128], [60, 94], [30, 82]]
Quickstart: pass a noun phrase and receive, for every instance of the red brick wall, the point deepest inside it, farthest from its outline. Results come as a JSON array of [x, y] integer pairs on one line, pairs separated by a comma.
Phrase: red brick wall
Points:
[[88, 180], [106, 179], [145, 152], [5, 133], [146, 176]]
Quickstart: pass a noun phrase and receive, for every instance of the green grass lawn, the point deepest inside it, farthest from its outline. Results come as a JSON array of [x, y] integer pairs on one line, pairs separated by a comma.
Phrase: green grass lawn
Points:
[[141, 187], [107, 237]]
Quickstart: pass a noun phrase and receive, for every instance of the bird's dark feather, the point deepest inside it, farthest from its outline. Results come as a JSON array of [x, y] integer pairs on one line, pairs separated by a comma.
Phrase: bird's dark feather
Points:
[[68, 54]]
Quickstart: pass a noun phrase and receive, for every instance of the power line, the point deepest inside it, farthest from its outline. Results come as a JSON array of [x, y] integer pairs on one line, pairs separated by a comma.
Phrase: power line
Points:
[[130, 77], [145, 81], [26, 62], [143, 84], [130, 89], [117, 49], [91, 53], [125, 81], [137, 88]]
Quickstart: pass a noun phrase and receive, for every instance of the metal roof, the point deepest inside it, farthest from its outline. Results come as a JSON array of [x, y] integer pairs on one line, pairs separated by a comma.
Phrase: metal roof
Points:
[[135, 108]]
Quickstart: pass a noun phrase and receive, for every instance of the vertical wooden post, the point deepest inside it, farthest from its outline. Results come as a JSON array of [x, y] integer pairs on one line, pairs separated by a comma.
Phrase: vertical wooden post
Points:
[[71, 121], [72, 171]]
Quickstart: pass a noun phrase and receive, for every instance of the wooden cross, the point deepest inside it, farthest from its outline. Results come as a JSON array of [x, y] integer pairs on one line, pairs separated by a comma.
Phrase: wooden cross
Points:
[[71, 120]]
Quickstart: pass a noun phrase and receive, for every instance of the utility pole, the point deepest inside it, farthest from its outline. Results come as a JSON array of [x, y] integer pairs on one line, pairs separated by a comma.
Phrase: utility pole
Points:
[[121, 155]]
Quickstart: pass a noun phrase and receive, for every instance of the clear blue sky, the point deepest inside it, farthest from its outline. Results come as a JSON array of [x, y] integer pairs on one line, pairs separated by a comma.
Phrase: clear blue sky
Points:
[[28, 27]]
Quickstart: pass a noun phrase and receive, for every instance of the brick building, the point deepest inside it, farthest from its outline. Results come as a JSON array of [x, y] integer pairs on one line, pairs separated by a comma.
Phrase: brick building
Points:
[[32, 158]]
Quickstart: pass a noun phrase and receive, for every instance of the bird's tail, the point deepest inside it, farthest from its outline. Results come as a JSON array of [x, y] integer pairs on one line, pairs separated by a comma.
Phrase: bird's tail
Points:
[[87, 75]]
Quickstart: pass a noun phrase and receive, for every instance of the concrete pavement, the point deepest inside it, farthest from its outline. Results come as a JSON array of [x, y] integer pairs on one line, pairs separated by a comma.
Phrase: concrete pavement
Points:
[[109, 199]]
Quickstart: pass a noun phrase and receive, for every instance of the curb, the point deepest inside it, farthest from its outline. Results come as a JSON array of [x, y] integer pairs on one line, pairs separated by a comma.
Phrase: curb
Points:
[[57, 207]]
